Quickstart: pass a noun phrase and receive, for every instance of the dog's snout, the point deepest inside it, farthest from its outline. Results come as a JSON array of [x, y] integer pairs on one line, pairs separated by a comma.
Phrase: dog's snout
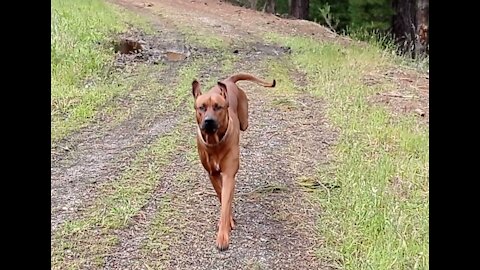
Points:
[[209, 124], [209, 120]]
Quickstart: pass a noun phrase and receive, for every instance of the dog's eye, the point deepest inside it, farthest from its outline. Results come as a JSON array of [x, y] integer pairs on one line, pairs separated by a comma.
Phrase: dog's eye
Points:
[[202, 108], [216, 107]]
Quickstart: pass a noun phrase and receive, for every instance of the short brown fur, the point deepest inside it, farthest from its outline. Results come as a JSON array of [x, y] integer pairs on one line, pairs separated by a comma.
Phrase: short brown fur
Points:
[[225, 108]]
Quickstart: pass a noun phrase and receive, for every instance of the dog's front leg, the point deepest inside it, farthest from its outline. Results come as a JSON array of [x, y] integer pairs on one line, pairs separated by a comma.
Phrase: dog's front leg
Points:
[[226, 218], [216, 180]]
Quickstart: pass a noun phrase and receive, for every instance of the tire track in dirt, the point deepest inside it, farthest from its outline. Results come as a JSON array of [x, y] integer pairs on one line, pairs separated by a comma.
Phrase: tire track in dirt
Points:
[[99, 153], [129, 253], [99, 156]]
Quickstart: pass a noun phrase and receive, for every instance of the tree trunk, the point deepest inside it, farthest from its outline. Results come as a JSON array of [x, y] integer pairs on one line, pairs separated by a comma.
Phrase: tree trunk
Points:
[[422, 26], [269, 6], [299, 9], [253, 4], [410, 25]]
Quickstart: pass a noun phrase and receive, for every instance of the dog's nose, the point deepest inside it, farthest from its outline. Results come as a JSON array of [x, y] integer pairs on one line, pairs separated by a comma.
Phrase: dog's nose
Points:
[[209, 121], [209, 124]]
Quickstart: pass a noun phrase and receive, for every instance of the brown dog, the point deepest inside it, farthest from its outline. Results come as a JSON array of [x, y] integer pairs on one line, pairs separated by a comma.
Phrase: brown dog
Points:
[[221, 113]]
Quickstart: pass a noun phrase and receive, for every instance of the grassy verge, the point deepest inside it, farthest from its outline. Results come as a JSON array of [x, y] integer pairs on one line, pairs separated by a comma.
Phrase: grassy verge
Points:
[[387, 44], [378, 218], [78, 28]]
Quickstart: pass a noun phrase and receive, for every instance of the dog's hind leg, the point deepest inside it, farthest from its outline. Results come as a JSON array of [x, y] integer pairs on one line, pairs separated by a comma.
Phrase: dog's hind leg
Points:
[[242, 109]]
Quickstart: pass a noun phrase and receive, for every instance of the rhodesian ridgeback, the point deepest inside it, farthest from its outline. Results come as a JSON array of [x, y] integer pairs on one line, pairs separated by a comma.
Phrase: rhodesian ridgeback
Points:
[[221, 113]]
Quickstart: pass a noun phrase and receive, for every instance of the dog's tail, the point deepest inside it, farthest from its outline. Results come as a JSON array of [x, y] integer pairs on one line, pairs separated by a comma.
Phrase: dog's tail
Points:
[[247, 77]]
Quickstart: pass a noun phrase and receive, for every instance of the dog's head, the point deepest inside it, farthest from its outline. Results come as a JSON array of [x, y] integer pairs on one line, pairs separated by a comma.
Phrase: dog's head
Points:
[[211, 108]]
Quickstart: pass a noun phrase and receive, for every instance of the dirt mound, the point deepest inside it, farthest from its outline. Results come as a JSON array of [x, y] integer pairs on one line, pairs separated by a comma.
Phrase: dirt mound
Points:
[[160, 47]]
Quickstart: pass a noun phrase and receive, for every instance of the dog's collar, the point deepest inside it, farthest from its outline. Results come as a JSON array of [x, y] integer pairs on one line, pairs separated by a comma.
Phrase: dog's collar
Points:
[[221, 140]]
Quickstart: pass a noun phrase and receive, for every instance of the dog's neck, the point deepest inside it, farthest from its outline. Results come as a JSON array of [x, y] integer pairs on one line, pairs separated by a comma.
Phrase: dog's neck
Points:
[[211, 140]]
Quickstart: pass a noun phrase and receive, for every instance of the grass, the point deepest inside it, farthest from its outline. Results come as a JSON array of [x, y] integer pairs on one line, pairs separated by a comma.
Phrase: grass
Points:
[[387, 44], [204, 38], [91, 237], [141, 87], [201, 36], [285, 89], [78, 30], [155, 246], [378, 218], [154, 249]]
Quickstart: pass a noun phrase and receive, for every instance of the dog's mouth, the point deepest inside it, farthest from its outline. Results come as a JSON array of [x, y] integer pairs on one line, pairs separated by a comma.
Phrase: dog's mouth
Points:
[[209, 127]]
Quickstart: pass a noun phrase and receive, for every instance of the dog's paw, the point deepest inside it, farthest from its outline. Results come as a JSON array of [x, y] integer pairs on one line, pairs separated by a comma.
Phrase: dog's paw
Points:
[[222, 240]]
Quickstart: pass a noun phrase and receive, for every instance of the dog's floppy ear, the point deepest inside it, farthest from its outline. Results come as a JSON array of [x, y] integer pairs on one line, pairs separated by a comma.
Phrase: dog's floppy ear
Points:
[[223, 89], [196, 89]]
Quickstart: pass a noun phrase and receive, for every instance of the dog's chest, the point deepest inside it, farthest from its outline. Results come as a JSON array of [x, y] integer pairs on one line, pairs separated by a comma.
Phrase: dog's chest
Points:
[[213, 162]]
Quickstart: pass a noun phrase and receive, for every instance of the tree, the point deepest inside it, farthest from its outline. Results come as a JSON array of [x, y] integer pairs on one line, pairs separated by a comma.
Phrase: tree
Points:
[[410, 25], [299, 9], [368, 15], [269, 6], [422, 26], [253, 4]]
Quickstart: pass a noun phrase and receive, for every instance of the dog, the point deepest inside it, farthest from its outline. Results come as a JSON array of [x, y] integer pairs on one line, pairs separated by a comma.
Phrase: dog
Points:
[[221, 113]]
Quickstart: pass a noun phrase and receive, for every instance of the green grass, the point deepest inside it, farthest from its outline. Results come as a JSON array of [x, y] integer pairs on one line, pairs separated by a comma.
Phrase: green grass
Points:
[[79, 32], [387, 44], [285, 89], [203, 38], [155, 250], [155, 246], [378, 218], [90, 238]]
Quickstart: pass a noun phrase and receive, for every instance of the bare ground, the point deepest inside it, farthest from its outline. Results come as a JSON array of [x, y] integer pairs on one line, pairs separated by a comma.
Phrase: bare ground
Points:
[[98, 153], [275, 219], [408, 94]]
